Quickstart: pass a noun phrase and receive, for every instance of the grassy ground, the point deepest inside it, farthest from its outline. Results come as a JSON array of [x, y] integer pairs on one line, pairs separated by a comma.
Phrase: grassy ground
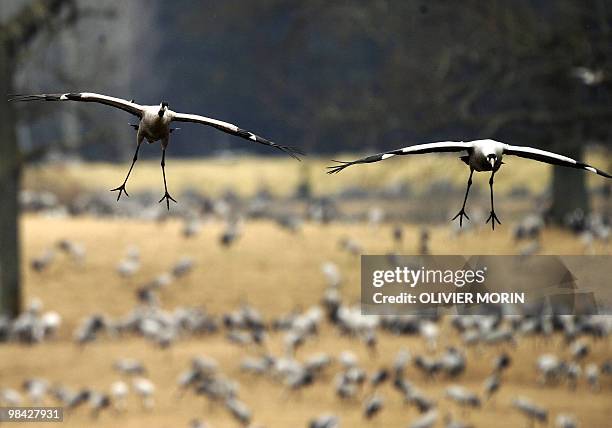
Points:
[[276, 272], [247, 174]]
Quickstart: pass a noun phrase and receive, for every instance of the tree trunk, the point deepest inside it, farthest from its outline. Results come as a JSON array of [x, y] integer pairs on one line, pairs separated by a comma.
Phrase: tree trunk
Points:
[[10, 172], [569, 189]]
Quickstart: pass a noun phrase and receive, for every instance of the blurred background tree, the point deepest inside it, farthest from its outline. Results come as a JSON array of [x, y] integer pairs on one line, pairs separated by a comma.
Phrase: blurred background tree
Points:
[[15, 35], [27, 32]]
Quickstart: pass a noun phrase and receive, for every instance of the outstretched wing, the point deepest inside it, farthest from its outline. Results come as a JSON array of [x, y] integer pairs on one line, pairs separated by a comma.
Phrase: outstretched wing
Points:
[[444, 146], [130, 107], [234, 130], [551, 158]]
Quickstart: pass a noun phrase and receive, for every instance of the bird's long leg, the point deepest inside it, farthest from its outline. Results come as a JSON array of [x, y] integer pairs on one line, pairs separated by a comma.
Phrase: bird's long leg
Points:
[[492, 217], [462, 213], [121, 188], [166, 196]]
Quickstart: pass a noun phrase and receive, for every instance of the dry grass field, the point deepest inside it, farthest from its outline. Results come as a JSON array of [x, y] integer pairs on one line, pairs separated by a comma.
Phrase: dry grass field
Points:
[[276, 272], [281, 175]]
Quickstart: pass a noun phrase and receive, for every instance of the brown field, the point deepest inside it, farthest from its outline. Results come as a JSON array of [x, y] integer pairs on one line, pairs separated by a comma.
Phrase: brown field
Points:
[[276, 272], [245, 175]]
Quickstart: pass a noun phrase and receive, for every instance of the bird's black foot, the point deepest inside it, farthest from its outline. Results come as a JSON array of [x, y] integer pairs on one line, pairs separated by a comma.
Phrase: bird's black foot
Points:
[[121, 190], [461, 214], [168, 198], [493, 218]]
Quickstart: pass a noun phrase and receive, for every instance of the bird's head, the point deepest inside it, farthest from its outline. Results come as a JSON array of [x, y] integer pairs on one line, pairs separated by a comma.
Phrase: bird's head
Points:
[[163, 107], [492, 159]]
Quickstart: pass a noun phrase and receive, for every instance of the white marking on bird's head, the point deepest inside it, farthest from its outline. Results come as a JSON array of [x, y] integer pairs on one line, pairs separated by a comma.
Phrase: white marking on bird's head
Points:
[[590, 168], [387, 155], [492, 159], [253, 137], [163, 107]]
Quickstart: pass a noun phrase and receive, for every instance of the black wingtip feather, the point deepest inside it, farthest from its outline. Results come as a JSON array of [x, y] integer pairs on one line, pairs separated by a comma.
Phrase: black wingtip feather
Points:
[[20, 97], [593, 169], [35, 97], [334, 169], [603, 173], [294, 152]]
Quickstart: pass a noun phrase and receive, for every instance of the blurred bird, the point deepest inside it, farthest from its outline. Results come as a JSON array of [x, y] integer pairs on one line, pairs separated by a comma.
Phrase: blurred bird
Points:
[[130, 264], [119, 391], [453, 362], [183, 267], [36, 389], [129, 366], [491, 385], [196, 423], [145, 389], [591, 372], [372, 407], [462, 396], [75, 250], [501, 362], [401, 361], [379, 377], [239, 410], [325, 421], [529, 228], [530, 409], [579, 350], [482, 155], [351, 246], [10, 397], [89, 329], [565, 421], [424, 241], [43, 261], [78, 399], [332, 274], [376, 215], [398, 234], [573, 374], [550, 367], [430, 332], [154, 125], [451, 423], [191, 228], [98, 402], [428, 420], [588, 76], [230, 233]]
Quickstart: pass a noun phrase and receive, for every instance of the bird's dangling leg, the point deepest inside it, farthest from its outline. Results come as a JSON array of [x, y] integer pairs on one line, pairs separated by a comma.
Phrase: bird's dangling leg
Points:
[[121, 188], [462, 213], [166, 196], [492, 217]]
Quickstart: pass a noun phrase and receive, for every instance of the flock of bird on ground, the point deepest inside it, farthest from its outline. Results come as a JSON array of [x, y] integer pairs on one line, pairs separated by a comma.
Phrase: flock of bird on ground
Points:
[[293, 371]]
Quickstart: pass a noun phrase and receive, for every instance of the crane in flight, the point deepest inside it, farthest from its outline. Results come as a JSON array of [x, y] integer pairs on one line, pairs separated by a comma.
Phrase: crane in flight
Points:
[[482, 155], [154, 125]]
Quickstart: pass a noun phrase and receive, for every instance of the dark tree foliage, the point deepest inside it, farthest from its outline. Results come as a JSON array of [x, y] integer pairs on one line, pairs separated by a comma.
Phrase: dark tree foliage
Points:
[[365, 75]]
